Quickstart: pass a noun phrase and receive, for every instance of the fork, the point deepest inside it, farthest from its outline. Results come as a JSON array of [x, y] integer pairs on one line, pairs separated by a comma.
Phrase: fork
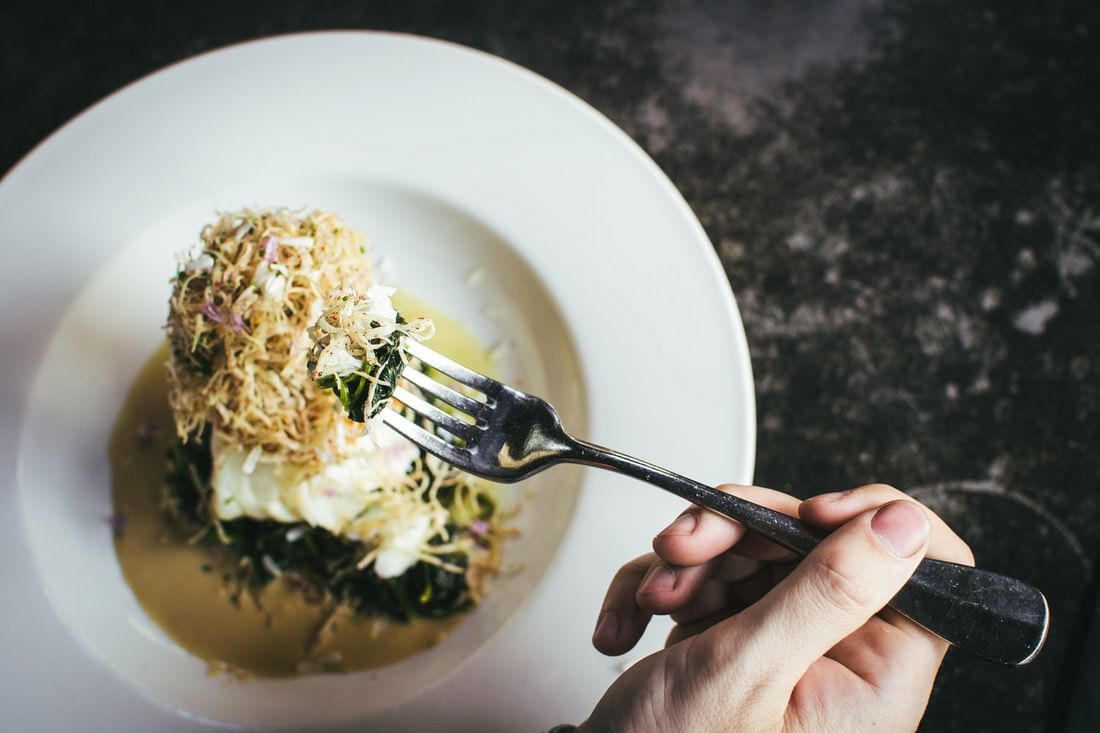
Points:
[[510, 435]]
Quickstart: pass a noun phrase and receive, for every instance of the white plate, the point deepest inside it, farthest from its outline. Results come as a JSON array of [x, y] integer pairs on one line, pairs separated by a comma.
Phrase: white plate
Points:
[[595, 271]]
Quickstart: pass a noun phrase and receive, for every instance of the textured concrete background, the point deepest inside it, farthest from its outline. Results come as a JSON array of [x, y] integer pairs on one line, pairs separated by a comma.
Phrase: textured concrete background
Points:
[[906, 199]]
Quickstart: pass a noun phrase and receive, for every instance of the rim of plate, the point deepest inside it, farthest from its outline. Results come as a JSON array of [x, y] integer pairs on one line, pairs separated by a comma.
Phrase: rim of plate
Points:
[[718, 286]]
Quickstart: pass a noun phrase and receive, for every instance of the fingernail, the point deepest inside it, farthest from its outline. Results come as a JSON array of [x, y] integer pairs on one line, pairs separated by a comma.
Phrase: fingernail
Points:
[[831, 496], [607, 629], [901, 526], [660, 579], [684, 525]]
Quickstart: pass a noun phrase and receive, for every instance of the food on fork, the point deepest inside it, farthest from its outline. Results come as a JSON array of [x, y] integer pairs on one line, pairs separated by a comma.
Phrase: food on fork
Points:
[[267, 471], [358, 348]]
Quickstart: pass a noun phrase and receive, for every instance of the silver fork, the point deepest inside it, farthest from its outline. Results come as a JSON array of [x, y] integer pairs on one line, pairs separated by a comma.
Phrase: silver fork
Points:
[[510, 435]]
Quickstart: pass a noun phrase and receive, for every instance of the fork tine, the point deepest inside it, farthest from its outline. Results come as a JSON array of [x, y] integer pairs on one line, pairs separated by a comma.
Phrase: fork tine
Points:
[[443, 419], [442, 392], [452, 369], [452, 454]]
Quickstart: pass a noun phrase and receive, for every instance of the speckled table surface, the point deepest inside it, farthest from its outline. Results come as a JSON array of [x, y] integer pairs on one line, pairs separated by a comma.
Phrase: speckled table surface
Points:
[[905, 197]]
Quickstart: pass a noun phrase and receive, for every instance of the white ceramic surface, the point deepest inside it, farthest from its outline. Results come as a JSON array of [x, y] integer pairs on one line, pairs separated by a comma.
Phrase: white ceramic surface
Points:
[[441, 155]]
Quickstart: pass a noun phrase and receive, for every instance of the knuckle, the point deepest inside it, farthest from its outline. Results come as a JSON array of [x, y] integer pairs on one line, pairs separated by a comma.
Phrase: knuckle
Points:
[[710, 656], [627, 578], [623, 575], [878, 488], [699, 655], [637, 567], [841, 590]]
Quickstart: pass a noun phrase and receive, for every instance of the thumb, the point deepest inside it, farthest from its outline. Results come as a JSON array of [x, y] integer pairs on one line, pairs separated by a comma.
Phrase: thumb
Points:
[[848, 578]]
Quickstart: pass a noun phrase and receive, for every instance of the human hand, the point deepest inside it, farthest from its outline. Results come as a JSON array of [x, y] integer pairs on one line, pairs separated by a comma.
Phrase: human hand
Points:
[[763, 644]]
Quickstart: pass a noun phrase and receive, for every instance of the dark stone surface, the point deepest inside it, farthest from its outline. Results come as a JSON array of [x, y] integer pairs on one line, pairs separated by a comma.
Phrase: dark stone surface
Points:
[[906, 199]]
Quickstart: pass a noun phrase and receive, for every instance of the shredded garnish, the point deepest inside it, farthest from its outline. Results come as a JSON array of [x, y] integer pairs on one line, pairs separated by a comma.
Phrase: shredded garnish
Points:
[[358, 349], [241, 305], [269, 469]]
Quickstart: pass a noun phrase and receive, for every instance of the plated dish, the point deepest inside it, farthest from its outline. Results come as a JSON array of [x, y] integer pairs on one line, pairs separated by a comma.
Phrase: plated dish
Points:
[[262, 516], [525, 215]]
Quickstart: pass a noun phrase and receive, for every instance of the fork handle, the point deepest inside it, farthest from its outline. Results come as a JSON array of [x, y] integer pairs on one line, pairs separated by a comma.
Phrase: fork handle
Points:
[[995, 617]]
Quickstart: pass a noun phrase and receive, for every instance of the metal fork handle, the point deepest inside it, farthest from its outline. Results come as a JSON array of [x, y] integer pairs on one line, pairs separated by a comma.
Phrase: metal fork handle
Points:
[[998, 618]]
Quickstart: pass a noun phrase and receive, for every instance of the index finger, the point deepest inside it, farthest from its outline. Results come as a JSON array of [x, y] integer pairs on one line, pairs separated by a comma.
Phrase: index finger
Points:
[[699, 535]]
